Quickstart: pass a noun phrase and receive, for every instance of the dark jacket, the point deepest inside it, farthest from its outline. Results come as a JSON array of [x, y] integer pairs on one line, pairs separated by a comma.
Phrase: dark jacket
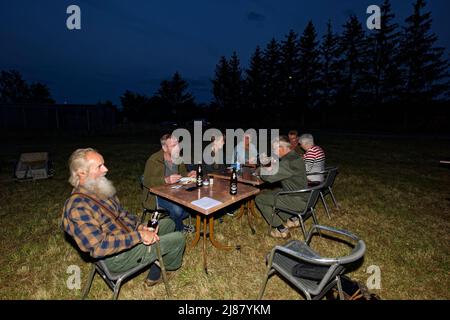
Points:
[[154, 176], [299, 150], [217, 167], [291, 175]]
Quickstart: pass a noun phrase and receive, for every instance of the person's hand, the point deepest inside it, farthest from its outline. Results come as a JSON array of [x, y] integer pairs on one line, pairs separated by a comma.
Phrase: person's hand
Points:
[[252, 161], [273, 162], [192, 174], [267, 169], [149, 236], [172, 178], [264, 159]]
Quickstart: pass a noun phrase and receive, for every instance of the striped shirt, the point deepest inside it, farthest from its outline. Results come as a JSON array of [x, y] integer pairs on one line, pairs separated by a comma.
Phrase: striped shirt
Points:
[[314, 162], [93, 230]]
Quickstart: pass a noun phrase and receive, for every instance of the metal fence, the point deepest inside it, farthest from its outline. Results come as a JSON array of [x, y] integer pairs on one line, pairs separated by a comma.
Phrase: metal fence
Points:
[[57, 117]]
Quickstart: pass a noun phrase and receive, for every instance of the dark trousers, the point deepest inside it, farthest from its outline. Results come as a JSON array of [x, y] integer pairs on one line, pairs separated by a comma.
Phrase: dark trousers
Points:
[[177, 213], [172, 247], [265, 202]]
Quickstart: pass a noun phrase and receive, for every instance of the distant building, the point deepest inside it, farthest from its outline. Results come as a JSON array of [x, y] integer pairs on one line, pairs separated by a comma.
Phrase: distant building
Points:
[[57, 117]]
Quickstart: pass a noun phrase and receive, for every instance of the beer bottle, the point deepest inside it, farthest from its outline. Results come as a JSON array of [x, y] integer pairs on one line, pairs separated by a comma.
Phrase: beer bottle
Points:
[[199, 178], [233, 182], [153, 222]]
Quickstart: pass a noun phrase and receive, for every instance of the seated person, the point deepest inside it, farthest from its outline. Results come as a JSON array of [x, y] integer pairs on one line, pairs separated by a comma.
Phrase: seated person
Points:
[[314, 158], [295, 145], [219, 159], [292, 176], [246, 152], [219, 164], [161, 168], [97, 222]]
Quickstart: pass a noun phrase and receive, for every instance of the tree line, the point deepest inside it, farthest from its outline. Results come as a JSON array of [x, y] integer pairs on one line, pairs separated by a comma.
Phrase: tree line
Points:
[[357, 75], [354, 78], [14, 89], [172, 101]]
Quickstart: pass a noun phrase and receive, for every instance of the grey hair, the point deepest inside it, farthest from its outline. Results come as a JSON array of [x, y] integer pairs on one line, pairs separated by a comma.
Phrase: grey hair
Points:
[[77, 162], [307, 139], [282, 141], [164, 138]]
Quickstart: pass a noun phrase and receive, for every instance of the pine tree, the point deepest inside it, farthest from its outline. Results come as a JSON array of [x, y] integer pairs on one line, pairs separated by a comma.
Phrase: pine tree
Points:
[[385, 76], [309, 63], [236, 82], [289, 70], [426, 70], [330, 57], [271, 75], [221, 83], [353, 46], [180, 87], [173, 93], [254, 82], [447, 89]]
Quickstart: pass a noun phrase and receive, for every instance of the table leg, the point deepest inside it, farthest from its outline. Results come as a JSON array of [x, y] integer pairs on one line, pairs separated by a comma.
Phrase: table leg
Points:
[[197, 232], [241, 211], [208, 220], [248, 208], [253, 208], [205, 266], [214, 242], [249, 216]]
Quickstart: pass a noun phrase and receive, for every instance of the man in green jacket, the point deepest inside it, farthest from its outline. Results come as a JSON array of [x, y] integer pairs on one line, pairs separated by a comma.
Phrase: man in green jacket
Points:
[[291, 175], [162, 168]]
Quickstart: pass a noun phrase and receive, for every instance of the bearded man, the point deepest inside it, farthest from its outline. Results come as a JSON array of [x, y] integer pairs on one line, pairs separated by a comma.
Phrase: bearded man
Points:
[[95, 219]]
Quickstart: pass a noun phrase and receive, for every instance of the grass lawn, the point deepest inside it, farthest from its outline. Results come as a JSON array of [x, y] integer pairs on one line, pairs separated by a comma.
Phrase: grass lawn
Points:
[[392, 193]]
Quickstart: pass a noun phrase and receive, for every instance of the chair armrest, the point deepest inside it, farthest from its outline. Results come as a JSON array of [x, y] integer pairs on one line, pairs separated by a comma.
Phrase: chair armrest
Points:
[[280, 193], [357, 252], [332, 230], [318, 172], [326, 171], [308, 259], [295, 192]]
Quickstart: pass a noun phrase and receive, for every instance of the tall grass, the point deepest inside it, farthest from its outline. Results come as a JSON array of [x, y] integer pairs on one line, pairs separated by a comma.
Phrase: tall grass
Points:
[[392, 192]]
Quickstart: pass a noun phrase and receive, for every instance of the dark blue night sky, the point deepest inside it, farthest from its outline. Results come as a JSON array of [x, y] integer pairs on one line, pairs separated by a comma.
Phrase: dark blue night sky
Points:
[[136, 44]]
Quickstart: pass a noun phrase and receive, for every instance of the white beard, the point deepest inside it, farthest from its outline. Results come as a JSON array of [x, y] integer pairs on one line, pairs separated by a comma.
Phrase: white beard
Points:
[[176, 158], [102, 187]]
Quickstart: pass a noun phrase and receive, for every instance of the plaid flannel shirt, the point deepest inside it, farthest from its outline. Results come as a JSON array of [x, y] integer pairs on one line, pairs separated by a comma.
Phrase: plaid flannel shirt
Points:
[[93, 230]]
